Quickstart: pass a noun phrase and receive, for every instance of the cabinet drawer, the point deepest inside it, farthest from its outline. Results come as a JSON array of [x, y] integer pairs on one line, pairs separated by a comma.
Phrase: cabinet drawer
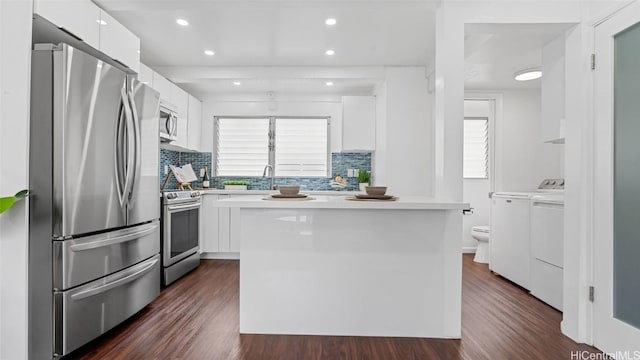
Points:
[[75, 260], [84, 313]]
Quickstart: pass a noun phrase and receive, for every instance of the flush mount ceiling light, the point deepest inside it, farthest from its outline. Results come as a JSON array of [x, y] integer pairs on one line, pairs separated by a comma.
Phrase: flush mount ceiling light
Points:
[[526, 75], [101, 22], [330, 52], [182, 22], [330, 21], [329, 83], [209, 52], [237, 83]]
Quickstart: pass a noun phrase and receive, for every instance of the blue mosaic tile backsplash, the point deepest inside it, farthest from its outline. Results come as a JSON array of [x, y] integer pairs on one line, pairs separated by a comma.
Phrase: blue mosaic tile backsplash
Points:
[[340, 162]]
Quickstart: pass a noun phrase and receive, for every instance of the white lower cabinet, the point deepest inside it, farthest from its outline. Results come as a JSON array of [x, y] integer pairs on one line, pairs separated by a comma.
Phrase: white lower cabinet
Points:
[[209, 214], [510, 244], [219, 228]]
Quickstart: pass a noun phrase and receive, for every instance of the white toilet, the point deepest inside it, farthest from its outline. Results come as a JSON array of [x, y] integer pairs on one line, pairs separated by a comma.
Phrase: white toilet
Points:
[[481, 233]]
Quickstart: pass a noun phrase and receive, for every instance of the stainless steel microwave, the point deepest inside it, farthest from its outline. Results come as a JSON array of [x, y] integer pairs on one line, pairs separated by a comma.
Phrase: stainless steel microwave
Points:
[[168, 124]]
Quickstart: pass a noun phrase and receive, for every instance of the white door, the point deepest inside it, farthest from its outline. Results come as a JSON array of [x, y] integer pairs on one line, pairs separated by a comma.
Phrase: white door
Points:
[[616, 244]]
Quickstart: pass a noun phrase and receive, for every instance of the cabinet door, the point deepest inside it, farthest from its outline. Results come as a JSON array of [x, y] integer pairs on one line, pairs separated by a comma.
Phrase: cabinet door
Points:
[[224, 227], [145, 75], [163, 86], [194, 123], [209, 224], [81, 18], [358, 123], [510, 245], [118, 42], [180, 99]]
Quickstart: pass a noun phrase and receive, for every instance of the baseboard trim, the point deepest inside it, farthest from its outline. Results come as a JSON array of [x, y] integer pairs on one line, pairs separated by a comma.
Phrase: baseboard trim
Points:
[[468, 249], [220, 256]]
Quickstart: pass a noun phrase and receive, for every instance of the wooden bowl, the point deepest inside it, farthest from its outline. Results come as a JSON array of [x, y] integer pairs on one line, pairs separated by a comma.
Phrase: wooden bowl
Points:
[[289, 189], [376, 190]]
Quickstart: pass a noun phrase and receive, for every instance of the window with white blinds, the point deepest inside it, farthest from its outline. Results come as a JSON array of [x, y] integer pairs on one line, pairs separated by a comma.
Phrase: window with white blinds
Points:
[[301, 147], [476, 148], [242, 146], [295, 147]]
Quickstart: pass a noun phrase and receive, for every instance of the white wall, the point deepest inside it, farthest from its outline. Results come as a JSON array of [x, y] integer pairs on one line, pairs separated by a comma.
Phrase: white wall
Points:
[[404, 133], [15, 60], [521, 159]]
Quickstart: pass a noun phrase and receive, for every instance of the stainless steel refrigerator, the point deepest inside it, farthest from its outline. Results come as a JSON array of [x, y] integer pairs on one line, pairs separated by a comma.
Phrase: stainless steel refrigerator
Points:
[[94, 238]]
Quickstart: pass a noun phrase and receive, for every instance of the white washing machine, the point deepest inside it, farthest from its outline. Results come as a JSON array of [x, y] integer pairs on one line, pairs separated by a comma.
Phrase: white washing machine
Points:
[[510, 231], [547, 248]]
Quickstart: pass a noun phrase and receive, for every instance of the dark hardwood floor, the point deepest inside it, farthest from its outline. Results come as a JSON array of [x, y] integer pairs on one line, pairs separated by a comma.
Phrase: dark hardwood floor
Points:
[[197, 318]]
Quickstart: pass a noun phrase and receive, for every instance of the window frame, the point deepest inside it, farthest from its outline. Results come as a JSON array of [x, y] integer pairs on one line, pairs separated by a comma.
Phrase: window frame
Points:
[[488, 144], [272, 141]]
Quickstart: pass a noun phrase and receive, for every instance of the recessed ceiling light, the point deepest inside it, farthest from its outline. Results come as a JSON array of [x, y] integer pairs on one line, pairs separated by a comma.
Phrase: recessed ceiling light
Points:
[[330, 52], [237, 83], [329, 83], [138, 51], [526, 75], [330, 21], [182, 22], [101, 22], [209, 52]]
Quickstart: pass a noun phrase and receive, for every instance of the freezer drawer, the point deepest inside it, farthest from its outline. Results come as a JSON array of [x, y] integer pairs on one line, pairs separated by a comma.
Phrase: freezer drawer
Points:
[[84, 313], [81, 260]]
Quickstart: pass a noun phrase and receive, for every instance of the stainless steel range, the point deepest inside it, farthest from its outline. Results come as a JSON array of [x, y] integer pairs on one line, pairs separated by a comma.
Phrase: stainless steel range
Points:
[[180, 240]]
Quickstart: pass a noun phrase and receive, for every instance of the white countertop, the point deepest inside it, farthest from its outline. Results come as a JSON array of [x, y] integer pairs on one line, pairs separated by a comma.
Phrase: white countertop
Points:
[[339, 202], [267, 192]]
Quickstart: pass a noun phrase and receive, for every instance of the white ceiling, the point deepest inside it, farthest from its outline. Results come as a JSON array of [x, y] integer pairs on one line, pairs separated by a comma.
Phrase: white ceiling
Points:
[[272, 33], [495, 52]]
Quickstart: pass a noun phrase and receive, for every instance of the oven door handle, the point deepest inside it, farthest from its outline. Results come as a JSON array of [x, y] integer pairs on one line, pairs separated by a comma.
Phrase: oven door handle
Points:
[[183, 207]]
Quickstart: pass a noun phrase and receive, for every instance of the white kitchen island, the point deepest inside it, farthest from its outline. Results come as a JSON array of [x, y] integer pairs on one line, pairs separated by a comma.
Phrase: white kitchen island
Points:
[[331, 266]]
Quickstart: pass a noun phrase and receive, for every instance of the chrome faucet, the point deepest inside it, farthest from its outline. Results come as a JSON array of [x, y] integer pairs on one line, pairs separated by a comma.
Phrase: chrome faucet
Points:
[[264, 174]]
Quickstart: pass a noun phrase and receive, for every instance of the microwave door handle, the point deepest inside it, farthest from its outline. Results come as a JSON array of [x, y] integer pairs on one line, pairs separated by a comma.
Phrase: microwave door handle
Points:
[[168, 124], [174, 129]]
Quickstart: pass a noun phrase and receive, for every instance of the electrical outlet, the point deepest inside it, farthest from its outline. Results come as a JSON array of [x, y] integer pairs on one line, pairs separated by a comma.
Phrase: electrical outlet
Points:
[[201, 172], [349, 172], [166, 169]]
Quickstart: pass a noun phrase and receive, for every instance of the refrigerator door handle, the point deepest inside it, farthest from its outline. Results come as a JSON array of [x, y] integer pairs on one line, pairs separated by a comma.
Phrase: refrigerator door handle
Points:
[[120, 151], [135, 122], [130, 142], [113, 241], [108, 286]]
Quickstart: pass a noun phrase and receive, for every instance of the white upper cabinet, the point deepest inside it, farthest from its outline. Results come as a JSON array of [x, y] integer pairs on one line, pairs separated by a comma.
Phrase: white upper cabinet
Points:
[[194, 123], [86, 21], [180, 99], [145, 75], [118, 42], [552, 91], [80, 18], [163, 86], [358, 123]]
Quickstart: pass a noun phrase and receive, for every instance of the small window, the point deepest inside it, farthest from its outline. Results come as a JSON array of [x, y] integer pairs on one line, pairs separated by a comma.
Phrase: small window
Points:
[[295, 147], [476, 148], [301, 147], [242, 146]]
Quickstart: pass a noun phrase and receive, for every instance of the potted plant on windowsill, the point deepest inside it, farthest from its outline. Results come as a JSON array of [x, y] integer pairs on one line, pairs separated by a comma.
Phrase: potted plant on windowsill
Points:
[[235, 184], [364, 177]]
